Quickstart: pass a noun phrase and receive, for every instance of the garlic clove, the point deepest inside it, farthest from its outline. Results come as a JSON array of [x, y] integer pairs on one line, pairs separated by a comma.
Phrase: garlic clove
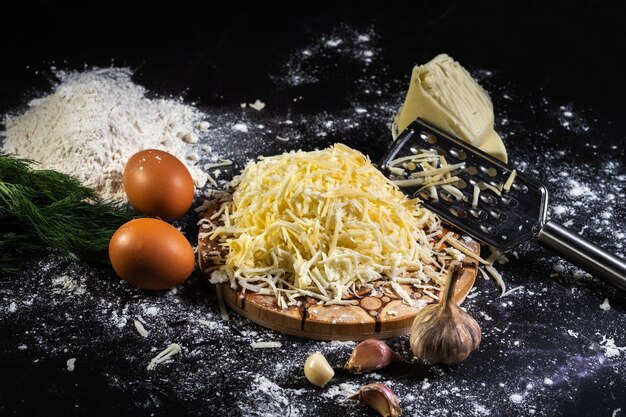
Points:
[[317, 370], [370, 355], [380, 397], [444, 333]]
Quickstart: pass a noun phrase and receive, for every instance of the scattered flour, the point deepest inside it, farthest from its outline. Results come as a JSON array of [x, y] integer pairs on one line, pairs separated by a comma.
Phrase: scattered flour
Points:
[[240, 127], [341, 391], [68, 285], [609, 347], [272, 383], [577, 190], [151, 311], [267, 399]]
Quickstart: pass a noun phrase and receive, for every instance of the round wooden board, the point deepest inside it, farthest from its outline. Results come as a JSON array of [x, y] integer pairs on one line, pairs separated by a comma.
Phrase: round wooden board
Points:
[[380, 315]]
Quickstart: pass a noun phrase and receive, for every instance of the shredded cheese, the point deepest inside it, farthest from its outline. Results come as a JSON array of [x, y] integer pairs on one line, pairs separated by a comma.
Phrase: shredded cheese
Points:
[[71, 364], [435, 171], [491, 187], [475, 196], [258, 105], [224, 163], [265, 345], [512, 290], [497, 277], [605, 305], [140, 328], [164, 355], [456, 244], [509, 181], [321, 224]]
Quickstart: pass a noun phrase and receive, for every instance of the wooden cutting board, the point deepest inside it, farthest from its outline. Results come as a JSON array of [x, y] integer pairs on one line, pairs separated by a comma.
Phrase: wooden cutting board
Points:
[[380, 315]]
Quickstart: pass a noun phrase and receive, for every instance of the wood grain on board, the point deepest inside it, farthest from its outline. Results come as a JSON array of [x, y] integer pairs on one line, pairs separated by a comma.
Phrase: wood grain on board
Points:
[[378, 314]]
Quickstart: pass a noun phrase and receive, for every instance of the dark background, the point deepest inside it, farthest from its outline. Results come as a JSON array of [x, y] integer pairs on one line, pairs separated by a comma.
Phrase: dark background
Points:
[[573, 52], [564, 47]]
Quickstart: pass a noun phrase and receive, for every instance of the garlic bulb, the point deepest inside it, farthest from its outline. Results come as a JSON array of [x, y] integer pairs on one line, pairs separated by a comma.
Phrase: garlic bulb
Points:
[[370, 355], [380, 397], [443, 333], [317, 370]]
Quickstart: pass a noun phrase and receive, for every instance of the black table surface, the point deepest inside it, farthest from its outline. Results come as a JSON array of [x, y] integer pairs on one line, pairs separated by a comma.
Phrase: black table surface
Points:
[[556, 76]]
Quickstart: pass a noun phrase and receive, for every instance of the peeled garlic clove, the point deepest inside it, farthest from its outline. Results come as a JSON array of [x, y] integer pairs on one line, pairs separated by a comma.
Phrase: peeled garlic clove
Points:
[[317, 370], [380, 397], [444, 333], [369, 355]]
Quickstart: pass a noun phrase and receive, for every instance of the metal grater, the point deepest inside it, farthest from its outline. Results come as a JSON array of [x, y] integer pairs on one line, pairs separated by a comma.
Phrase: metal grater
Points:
[[501, 221]]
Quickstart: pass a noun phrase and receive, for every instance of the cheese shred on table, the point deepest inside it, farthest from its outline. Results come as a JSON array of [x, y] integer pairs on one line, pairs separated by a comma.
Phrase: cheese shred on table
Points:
[[322, 224]]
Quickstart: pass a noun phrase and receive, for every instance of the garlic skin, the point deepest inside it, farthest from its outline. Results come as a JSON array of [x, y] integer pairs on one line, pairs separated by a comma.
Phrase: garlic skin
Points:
[[444, 333], [370, 355], [380, 397], [317, 370]]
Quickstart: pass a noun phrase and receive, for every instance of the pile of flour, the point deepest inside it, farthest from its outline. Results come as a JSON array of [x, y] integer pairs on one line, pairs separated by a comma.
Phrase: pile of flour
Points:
[[94, 121]]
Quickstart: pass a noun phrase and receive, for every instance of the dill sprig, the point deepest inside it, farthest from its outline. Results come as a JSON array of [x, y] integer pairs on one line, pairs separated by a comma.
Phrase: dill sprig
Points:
[[43, 209]]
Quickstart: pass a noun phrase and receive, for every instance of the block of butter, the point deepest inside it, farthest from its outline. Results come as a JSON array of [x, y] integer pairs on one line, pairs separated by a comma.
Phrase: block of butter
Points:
[[445, 95]]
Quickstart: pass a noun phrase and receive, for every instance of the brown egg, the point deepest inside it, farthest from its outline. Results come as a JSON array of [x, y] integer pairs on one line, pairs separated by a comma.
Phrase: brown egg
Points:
[[158, 184], [151, 254]]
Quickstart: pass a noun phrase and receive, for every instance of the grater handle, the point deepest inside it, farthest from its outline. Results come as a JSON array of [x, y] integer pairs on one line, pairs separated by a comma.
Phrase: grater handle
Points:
[[584, 253]]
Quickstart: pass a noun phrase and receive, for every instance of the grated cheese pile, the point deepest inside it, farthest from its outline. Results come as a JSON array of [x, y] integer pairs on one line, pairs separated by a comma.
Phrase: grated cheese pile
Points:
[[322, 224]]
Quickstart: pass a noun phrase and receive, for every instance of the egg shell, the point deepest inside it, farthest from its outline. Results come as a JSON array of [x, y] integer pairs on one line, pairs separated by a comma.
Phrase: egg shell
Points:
[[158, 184], [151, 254]]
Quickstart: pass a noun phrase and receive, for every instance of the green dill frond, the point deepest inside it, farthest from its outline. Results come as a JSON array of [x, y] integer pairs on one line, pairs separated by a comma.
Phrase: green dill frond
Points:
[[43, 209]]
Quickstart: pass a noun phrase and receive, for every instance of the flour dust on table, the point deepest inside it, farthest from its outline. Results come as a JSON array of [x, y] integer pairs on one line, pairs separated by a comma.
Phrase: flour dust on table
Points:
[[523, 367]]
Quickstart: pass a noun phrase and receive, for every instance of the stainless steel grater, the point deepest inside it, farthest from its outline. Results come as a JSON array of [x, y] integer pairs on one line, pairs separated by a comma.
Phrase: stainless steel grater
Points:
[[501, 219]]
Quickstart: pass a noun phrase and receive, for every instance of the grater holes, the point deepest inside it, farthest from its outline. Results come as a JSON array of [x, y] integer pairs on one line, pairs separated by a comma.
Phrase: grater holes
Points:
[[498, 215], [446, 196], [458, 212], [471, 170], [488, 229], [520, 188], [489, 171], [460, 154], [428, 137], [510, 201], [488, 199], [461, 185], [479, 214]]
